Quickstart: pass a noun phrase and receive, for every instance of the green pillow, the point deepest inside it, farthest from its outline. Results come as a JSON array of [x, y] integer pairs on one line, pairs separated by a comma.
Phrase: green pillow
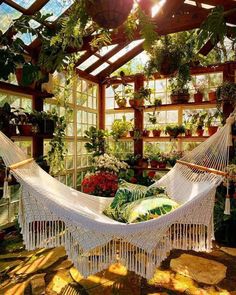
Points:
[[148, 208]]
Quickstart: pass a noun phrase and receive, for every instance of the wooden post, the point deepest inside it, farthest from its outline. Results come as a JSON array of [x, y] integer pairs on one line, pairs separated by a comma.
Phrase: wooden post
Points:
[[101, 106], [37, 104], [138, 118]]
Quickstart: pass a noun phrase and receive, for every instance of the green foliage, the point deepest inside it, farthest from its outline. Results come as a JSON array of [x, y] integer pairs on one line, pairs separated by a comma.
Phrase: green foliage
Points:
[[215, 27], [96, 141], [174, 130], [226, 93], [120, 128], [213, 117]]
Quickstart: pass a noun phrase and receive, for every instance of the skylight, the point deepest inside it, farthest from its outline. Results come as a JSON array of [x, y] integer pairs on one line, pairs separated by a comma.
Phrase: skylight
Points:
[[56, 8], [88, 62], [100, 68], [104, 50], [24, 3], [7, 14], [125, 50]]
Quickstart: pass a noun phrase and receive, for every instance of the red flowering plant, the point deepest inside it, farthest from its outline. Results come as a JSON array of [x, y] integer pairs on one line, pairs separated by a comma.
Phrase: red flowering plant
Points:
[[104, 179], [103, 184]]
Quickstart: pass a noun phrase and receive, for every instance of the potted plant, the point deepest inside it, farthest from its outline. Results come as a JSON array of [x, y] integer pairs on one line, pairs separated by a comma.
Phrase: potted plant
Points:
[[179, 85], [226, 97], [7, 122], [154, 160], [120, 128], [188, 125], [132, 160], [211, 121], [200, 88], [165, 57], [174, 130], [146, 132], [162, 161], [135, 133], [173, 157], [143, 162], [156, 130], [139, 97], [212, 95]]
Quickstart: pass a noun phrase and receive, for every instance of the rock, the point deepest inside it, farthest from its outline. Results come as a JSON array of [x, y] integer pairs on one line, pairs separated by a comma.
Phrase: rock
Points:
[[230, 251], [199, 269], [38, 284], [42, 262]]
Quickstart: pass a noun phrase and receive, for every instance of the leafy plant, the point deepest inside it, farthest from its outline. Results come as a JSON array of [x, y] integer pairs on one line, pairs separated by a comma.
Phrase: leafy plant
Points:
[[96, 141], [213, 117], [226, 93], [174, 130], [120, 128], [143, 93]]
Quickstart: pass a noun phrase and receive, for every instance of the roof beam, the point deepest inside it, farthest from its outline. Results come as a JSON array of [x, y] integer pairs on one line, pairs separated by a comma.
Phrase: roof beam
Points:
[[86, 76], [128, 56], [16, 6], [105, 58]]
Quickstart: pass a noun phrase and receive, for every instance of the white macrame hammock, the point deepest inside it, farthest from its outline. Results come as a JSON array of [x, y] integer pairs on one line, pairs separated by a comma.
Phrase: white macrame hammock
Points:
[[52, 214]]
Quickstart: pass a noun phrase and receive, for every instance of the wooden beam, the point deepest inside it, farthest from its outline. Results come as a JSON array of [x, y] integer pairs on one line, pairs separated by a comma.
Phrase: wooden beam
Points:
[[36, 6], [23, 90], [84, 57], [86, 76], [16, 6], [104, 58], [128, 56]]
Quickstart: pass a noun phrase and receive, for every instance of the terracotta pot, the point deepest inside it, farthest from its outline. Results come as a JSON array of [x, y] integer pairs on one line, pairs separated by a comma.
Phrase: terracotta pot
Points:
[[198, 97], [179, 98], [154, 163], [19, 75], [173, 134], [162, 165], [188, 133], [146, 133], [212, 96], [25, 130], [156, 133], [143, 163], [200, 132], [109, 14], [135, 103], [212, 130]]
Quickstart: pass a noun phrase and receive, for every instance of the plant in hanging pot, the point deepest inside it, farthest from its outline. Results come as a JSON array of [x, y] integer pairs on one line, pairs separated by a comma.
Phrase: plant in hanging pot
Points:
[[174, 130], [212, 121], [107, 13]]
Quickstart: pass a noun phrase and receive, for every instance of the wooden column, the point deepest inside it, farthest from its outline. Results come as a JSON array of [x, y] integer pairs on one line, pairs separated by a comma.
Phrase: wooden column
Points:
[[138, 118], [228, 75], [101, 106], [37, 104]]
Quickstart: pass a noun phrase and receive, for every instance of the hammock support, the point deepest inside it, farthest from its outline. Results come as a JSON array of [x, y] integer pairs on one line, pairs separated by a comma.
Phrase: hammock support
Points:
[[52, 214]]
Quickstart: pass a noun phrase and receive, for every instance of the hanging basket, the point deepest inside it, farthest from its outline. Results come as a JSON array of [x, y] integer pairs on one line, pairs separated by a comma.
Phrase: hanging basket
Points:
[[109, 14]]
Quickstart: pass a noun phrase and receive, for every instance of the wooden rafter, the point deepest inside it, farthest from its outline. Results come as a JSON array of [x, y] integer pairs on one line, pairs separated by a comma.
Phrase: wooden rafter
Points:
[[105, 58], [16, 6], [86, 76]]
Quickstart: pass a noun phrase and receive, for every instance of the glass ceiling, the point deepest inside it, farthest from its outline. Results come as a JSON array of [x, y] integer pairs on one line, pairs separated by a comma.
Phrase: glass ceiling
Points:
[[9, 12]]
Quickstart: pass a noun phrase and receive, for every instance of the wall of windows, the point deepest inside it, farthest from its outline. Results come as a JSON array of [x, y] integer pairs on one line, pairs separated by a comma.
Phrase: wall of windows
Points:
[[82, 98]]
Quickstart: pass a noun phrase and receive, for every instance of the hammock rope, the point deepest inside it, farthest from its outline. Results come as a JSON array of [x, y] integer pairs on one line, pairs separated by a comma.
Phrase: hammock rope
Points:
[[52, 214]]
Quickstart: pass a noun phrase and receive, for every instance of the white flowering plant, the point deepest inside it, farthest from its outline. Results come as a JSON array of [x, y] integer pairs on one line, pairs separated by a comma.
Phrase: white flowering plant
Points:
[[109, 163]]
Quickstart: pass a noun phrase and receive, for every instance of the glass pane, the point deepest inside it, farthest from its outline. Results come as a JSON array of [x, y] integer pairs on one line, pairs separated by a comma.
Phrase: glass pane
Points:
[[56, 8], [7, 14]]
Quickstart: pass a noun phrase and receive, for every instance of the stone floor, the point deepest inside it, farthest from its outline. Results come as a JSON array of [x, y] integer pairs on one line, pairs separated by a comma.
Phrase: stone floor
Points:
[[48, 271]]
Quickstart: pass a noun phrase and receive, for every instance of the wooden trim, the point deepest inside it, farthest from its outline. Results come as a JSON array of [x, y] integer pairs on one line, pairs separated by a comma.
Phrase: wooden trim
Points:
[[21, 163], [23, 90], [87, 76], [203, 168]]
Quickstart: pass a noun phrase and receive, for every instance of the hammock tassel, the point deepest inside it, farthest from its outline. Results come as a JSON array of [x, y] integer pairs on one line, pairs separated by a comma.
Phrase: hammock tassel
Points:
[[227, 205], [6, 193]]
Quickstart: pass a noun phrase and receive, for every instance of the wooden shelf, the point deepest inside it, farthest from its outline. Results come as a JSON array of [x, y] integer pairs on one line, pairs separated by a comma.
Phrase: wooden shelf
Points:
[[18, 136], [167, 138], [24, 90], [176, 106]]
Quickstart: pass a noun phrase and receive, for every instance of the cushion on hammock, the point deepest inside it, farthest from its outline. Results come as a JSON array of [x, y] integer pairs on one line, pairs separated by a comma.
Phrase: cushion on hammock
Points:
[[147, 208], [127, 193]]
